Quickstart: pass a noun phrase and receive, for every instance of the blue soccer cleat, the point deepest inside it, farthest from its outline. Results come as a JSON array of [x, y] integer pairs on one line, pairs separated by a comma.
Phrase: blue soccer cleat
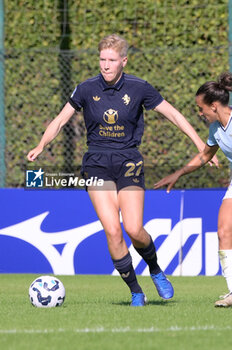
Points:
[[163, 285], [138, 299]]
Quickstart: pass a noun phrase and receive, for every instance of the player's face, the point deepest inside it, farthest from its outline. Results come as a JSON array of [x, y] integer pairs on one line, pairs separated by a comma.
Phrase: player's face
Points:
[[207, 111], [111, 65]]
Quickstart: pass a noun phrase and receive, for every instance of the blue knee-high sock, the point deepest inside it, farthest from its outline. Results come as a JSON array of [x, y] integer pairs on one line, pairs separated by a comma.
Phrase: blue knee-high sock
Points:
[[125, 268], [150, 257]]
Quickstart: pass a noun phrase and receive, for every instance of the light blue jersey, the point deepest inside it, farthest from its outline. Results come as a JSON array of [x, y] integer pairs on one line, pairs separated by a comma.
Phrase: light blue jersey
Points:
[[218, 135]]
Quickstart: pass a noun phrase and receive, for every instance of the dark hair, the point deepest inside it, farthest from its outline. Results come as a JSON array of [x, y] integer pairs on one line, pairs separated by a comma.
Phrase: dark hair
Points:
[[217, 90]]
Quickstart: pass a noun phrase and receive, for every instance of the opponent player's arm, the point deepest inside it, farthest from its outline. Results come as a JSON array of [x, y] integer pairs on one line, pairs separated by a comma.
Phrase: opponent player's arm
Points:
[[180, 121], [197, 162], [52, 130]]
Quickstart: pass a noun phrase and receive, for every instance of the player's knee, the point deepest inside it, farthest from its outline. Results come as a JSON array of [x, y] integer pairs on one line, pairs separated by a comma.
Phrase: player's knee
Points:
[[133, 231], [114, 234], [224, 234]]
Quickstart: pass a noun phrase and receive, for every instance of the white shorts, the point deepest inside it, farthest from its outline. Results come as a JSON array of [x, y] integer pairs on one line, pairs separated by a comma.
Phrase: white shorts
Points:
[[228, 192]]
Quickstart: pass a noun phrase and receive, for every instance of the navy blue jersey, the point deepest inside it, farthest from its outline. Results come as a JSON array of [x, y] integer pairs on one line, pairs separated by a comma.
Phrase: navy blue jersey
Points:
[[114, 114]]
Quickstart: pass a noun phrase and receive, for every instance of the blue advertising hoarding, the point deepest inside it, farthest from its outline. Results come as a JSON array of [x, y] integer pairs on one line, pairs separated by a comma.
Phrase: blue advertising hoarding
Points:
[[57, 231]]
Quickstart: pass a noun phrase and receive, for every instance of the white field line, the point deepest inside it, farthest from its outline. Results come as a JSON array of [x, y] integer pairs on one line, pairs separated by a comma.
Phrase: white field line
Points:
[[116, 330]]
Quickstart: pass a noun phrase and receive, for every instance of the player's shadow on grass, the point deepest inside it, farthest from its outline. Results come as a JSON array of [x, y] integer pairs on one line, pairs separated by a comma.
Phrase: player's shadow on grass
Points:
[[162, 302]]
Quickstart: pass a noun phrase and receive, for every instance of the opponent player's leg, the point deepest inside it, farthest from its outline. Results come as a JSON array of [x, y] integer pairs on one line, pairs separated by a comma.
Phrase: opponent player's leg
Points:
[[106, 205], [131, 202], [225, 248]]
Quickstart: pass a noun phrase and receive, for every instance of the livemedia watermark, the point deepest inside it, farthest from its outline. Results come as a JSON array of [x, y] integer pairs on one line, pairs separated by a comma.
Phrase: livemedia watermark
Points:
[[41, 179]]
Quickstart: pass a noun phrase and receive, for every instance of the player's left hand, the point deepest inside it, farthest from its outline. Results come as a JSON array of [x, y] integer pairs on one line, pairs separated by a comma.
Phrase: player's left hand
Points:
[[214, 161], [169, 180]]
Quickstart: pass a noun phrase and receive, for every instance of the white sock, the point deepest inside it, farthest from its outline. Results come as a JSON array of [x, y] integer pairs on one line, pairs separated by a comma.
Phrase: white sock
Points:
[[225, 257]]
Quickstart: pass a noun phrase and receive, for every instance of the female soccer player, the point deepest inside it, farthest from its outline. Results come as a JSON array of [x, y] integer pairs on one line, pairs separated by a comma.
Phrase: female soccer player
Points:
[[212, 99], [113, 103]]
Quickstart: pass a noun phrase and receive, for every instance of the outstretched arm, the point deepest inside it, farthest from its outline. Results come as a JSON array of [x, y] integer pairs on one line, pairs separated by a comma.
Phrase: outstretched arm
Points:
[[197, 162], [52, 131], [181, 122]]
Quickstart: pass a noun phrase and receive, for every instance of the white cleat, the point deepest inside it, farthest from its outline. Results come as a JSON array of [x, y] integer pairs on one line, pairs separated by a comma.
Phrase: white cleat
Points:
[[225, 301]]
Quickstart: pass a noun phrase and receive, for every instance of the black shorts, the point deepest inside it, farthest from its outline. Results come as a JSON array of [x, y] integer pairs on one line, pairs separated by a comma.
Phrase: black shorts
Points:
[[123, 167]]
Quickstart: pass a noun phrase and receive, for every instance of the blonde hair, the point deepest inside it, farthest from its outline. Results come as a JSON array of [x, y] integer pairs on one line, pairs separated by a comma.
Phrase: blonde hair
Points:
[[115, 42]]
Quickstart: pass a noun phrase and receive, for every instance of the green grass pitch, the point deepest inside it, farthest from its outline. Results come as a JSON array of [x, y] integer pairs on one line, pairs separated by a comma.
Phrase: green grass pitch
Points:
[[96, 315]]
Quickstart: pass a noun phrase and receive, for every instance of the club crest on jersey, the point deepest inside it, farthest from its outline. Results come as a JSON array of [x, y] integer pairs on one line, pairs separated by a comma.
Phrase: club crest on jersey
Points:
[[110, 116], [96, 98], [126, 99]]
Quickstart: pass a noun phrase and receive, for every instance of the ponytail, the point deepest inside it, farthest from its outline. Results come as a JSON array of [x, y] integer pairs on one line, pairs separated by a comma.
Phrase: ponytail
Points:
[[217, 90]]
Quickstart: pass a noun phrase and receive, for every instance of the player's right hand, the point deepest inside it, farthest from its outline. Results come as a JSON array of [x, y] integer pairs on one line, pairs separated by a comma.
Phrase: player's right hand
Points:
[[33, 154]]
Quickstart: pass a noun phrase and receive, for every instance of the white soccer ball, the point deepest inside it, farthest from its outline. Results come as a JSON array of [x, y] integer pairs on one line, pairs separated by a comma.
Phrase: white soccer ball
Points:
[[46, 291]]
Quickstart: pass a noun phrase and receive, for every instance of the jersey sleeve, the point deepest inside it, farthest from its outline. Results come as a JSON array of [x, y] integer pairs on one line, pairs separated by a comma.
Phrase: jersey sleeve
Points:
[[211, 139], [152, 98], [75, 99]]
